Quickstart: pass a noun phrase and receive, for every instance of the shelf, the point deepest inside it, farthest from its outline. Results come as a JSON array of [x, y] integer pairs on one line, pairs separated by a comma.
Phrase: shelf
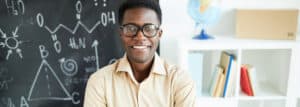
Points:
[[276, 66], [272, 70], [211, 58], [266, 93], [262, 103], [216, 102], [235, 43]]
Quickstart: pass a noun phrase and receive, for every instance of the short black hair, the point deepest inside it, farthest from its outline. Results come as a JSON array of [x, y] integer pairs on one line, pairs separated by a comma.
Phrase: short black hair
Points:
[[130, 4]]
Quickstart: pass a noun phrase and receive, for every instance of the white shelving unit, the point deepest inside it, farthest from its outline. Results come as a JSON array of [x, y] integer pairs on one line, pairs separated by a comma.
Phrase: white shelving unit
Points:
[[276, 63]]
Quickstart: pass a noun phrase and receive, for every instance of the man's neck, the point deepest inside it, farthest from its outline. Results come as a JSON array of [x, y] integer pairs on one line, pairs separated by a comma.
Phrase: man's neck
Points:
[[141, 70]]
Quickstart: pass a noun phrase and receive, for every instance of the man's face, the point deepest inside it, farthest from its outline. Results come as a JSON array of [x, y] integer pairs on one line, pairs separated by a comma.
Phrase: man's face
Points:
[[139, 48]]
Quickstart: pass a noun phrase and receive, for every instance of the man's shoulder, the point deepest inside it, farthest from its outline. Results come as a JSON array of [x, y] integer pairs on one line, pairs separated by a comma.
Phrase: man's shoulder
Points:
[[105, 71], [171, 68], [174, 71]]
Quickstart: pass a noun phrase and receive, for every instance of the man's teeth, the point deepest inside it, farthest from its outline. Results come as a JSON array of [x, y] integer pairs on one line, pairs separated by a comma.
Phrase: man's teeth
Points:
[[139, 47]]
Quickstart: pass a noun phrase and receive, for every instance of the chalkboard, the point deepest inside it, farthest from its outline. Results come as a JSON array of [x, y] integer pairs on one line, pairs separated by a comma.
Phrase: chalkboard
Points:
[[49, 48]]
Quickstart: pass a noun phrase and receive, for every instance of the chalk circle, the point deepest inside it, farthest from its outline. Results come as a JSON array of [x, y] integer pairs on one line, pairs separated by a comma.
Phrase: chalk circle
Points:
[[40, 19], [73, 98], [78, 6], [12, 43], [57, 46], [69, 67]]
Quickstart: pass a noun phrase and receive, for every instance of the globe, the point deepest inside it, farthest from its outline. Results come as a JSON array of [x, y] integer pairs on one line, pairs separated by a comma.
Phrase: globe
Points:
[[204, 13]]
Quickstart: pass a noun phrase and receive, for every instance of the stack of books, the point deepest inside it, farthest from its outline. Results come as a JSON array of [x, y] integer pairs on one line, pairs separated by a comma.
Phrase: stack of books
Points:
[[224, 77]]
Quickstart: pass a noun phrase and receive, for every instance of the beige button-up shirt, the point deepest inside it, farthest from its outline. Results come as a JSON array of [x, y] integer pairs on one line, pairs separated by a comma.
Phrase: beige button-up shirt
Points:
[[115, 86]]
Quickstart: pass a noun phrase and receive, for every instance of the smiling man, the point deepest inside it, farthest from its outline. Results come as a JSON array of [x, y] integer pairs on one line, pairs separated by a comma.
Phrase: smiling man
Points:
[[141, 78]]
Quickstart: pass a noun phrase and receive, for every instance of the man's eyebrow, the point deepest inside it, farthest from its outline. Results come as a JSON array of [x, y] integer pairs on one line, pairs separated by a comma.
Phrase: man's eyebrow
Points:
[[130, 24]]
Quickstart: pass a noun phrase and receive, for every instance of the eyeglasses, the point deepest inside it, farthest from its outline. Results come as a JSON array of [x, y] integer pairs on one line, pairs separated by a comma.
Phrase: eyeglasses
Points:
[[131, 30]]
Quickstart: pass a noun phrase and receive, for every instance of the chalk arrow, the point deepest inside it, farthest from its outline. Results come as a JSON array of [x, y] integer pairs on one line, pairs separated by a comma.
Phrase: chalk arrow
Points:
[[15, 32], [3, 34], [19, 51], [8, 54], [95, 45]]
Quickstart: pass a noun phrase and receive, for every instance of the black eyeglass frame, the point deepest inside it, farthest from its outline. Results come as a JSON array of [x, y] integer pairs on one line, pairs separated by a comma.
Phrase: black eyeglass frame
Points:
[[141, 28]]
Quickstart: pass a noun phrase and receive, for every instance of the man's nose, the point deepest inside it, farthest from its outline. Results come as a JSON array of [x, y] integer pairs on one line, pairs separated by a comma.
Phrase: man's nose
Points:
[[140, 35]]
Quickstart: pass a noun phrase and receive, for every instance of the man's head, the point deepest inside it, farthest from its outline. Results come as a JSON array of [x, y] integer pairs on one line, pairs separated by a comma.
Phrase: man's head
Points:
[[130, 4], [140, 31]]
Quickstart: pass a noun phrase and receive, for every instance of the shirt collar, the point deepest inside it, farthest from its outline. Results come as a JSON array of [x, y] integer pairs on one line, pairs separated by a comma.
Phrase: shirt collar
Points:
[[157, 67]]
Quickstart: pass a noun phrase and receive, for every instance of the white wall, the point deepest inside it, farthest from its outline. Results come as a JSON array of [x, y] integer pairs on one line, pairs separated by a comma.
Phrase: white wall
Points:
[[177, 23]]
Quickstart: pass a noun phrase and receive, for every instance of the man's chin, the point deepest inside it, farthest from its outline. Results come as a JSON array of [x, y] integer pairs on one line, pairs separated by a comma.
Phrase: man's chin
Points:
[[140, 59]]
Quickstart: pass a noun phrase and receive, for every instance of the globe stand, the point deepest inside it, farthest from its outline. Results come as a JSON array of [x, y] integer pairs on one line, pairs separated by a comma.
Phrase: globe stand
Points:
[[203, 36]]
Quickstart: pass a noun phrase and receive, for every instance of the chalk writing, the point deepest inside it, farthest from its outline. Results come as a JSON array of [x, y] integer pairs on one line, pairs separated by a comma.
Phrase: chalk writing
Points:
[[77, 45], [96, 2], [24, 103], [6, 102], [90, 69], [88, 59], [104, 3], [15, 7], [5, 79]]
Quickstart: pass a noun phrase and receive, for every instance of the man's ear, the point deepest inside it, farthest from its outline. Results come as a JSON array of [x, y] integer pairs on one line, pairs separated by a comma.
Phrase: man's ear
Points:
[[160, 33]]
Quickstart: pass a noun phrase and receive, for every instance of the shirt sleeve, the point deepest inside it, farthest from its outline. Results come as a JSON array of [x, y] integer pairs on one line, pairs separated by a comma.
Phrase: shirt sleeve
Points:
[[185, 90], [94, 92]]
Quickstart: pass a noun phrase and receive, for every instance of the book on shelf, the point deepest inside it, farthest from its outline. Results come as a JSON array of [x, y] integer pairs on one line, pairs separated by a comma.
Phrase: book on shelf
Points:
[[245, 82], [248, 81], [231, 80], [226, 62], [252, 76], [217, 78], [195, 67]]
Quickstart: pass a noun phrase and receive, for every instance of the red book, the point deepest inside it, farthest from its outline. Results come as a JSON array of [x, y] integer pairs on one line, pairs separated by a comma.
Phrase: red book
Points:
[[245, 82]]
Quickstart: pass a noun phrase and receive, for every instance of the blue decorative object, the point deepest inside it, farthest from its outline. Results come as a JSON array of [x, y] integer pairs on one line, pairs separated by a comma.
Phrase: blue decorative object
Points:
[[203, 12]]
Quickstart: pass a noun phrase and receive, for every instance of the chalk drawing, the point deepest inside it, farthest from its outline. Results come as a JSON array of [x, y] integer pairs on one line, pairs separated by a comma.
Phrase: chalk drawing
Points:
[[45, 70], [69, 66], [12, 43], [106, 17], [95, 45]]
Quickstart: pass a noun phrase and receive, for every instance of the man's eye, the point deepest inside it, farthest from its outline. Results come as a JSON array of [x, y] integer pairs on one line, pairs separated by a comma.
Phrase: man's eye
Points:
[[149, 28], [132, 29]]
